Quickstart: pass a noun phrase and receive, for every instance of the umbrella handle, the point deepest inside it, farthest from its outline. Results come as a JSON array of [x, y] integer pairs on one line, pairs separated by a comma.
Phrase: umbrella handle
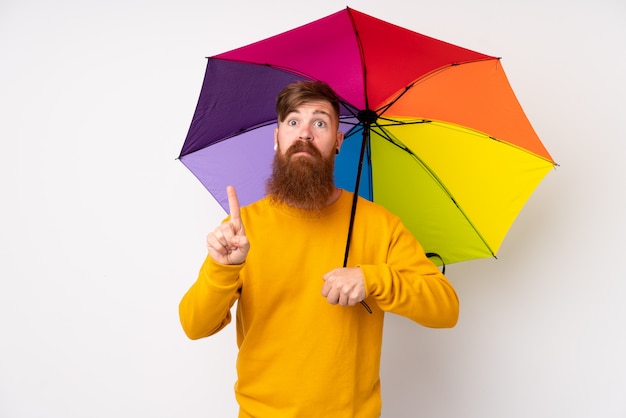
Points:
[[443, 264]]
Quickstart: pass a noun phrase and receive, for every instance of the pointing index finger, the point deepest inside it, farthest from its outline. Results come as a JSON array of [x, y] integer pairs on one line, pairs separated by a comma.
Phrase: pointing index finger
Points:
[[233, 204]]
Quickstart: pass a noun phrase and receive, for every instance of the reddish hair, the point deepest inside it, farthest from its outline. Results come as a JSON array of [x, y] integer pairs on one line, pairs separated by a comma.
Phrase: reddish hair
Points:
[[304, 91]]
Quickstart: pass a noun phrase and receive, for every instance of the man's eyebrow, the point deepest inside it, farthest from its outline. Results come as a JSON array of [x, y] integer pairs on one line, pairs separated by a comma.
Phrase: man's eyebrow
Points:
[[315, 112], [323, 112]]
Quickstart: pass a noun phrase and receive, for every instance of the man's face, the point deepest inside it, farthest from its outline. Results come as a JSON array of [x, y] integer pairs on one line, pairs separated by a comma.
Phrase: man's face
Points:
[[302, 170], [312, 122]]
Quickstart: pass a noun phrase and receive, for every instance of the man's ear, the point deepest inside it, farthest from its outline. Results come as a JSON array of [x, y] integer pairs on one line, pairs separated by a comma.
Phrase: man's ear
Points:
[[275, 139], [339, 141]]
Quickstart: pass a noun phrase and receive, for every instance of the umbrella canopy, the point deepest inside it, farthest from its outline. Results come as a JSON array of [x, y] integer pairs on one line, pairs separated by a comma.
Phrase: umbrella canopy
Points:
[[433, 131]]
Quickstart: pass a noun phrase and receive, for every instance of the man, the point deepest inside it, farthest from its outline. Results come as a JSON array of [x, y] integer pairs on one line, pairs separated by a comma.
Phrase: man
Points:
[[306, 346]]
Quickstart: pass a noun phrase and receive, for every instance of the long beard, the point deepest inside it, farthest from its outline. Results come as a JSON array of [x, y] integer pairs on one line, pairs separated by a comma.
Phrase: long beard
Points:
[[305, 182]]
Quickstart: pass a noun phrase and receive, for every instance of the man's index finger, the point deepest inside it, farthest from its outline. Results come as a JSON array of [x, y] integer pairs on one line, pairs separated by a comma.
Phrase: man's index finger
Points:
[[233, 203]]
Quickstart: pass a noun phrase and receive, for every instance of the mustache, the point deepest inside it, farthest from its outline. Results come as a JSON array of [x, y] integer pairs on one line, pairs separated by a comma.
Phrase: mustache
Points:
[[303, 146]]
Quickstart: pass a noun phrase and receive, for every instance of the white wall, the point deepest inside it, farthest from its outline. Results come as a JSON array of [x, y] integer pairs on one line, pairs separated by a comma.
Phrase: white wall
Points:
[[102, 229]]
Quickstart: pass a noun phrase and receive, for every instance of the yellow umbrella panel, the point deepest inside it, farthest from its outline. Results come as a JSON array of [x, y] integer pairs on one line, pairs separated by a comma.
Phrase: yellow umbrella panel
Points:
[[457, 190]]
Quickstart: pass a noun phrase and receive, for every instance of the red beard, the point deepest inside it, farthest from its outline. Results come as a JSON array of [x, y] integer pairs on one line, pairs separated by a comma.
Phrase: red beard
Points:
[[305, 182]]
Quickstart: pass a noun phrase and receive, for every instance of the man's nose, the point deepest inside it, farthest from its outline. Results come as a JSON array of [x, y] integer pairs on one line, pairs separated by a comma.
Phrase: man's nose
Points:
[[305, 133]]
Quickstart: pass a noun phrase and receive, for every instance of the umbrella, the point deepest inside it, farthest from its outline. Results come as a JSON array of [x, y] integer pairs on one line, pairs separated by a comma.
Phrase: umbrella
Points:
[[433, 131]]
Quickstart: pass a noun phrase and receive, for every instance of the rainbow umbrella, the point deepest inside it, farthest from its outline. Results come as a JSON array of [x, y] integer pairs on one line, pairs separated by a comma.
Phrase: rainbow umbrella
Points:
[[433, 131]]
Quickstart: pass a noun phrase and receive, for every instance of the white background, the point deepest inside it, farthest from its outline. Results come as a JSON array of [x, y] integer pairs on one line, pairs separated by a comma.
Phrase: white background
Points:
[[102, 229]]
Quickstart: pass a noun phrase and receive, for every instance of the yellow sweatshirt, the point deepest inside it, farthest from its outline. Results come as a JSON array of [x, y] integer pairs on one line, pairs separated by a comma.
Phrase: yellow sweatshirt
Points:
[[300, 356]]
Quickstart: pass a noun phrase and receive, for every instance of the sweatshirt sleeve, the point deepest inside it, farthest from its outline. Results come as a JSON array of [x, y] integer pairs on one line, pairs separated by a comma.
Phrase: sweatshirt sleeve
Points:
[[205, 308], [411, 285]]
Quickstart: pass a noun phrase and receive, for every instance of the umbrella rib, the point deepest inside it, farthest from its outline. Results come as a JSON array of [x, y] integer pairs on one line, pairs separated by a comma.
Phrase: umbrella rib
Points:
[[266, 64], [239, 132], [424, 78], [380, 131], [452, 126]]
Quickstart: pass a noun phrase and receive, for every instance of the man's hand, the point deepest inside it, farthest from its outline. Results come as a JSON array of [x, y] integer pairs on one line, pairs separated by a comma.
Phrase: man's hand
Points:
[[228, 243], [344, 286]]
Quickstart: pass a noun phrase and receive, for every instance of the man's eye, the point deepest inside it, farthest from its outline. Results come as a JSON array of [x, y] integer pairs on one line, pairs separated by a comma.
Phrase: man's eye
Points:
[[292, 123], [320, 124]]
